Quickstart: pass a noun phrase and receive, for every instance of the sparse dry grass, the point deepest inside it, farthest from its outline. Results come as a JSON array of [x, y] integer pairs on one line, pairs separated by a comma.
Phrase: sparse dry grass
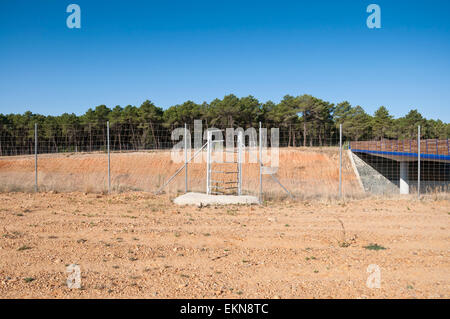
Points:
[[307, 172]]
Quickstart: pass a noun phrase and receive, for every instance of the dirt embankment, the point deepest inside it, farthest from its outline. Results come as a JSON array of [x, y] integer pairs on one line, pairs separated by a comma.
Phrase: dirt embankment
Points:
[[306, 172]]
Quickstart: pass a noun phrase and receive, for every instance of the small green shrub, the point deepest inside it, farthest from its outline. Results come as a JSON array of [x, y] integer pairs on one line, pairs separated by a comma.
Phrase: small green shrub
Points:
[[374, 247]]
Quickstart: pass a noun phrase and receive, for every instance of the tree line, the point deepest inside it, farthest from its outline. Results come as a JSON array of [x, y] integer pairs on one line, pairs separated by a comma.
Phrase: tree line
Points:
[[303, 120]]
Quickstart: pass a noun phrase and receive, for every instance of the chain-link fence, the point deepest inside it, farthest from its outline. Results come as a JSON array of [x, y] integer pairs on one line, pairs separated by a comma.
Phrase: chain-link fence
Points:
[[98, 157]]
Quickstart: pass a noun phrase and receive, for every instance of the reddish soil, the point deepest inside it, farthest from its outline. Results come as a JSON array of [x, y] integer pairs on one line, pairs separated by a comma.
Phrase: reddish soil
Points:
[[306, 172], [139, 245]]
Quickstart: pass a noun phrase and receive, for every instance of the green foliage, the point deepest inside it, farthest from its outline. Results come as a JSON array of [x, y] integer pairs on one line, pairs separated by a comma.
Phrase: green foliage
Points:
[[407, 125], [374, 247], [357, 125], [303, 121], [28, 279], [382, 124]]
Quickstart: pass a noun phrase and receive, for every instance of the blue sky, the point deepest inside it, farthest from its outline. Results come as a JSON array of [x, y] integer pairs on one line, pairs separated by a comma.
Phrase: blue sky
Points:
[[172, 51]]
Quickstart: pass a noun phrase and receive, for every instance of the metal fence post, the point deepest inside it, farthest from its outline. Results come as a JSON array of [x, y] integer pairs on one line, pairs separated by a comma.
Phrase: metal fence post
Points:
[[35, 158], [109, 158], [208, 162], [185, 159], [260, 164], [340, 160], [418, 162], [239, 160]]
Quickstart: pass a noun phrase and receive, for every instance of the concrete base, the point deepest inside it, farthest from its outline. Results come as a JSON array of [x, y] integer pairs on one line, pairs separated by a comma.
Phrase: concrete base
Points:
[[355, 170], [404, 180], [373, 181], [204, 199]]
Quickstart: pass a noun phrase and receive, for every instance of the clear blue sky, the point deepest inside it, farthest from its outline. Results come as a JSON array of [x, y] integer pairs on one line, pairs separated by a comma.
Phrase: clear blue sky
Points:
[[172, 51]]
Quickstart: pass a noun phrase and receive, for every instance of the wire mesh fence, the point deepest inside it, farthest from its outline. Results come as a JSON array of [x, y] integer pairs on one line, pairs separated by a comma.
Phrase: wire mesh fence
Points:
[[313, 162], [92, 137], [408, 165]]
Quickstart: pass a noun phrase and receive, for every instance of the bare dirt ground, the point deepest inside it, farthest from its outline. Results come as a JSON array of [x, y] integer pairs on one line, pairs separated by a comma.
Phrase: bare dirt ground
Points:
[[140, 245]]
